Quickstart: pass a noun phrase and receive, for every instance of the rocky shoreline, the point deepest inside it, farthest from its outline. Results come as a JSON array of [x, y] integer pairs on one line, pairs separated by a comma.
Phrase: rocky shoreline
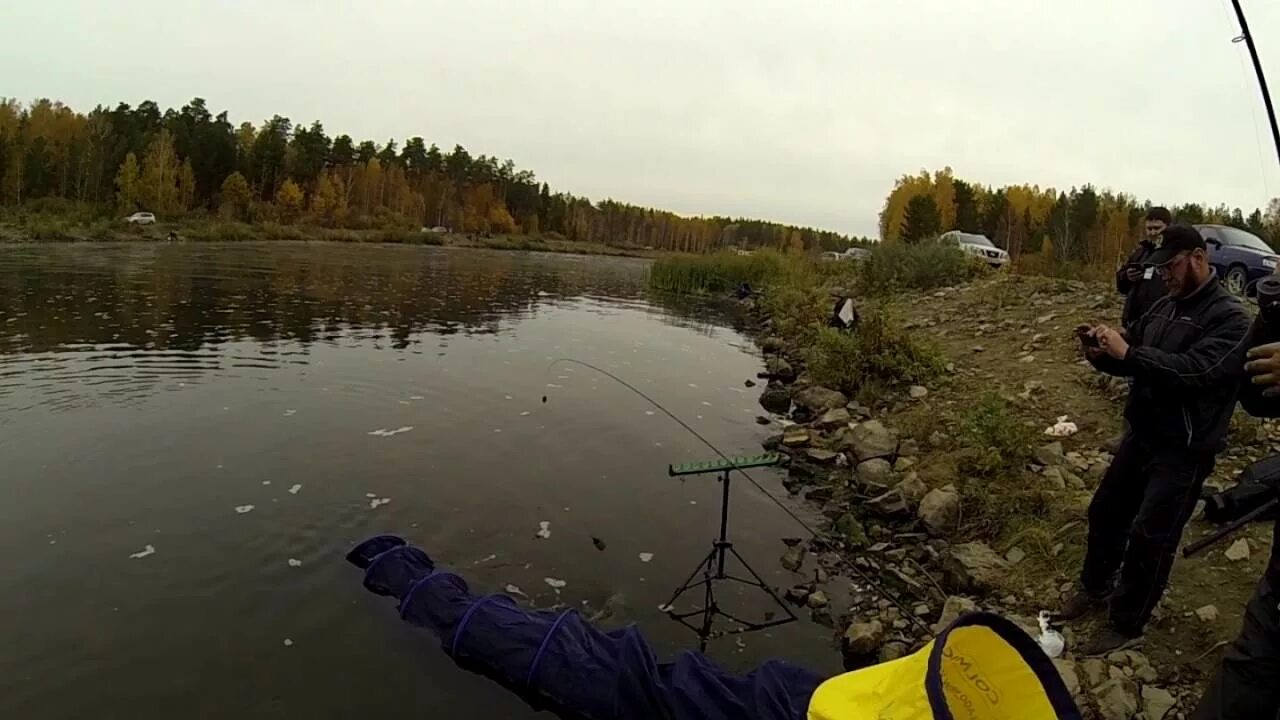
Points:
[[884, 525]]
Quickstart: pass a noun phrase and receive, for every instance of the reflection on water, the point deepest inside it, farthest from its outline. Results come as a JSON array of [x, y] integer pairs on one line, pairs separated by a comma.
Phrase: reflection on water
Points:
[[193, 435]]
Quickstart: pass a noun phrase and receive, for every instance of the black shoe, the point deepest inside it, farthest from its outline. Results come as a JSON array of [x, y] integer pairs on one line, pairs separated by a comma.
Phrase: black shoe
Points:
[[1079, 605], [1109, 640]]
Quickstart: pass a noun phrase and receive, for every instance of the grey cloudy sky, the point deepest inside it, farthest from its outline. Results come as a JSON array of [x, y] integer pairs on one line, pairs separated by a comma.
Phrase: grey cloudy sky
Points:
[[799, 112]]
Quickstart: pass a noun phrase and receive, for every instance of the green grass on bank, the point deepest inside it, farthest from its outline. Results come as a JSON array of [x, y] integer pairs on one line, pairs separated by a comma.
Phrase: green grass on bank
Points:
[[721, 272]]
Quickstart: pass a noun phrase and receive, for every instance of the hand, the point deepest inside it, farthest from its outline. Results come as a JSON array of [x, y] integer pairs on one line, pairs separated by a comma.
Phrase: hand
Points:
[[1264, 366], [1133, 274], [1112, 341]]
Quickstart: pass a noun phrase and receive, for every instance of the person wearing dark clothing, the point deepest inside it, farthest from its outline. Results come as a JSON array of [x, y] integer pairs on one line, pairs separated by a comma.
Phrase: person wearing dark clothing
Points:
[[1137, 279], [1185, 356], [1244, 686]]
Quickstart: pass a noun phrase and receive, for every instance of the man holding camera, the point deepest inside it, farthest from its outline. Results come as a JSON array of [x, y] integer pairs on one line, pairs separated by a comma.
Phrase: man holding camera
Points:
[[1245, 685], [1137, 279], [1185, 356]]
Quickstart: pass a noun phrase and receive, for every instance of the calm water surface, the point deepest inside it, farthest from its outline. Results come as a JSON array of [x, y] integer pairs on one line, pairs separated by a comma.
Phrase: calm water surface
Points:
[[244, 411]]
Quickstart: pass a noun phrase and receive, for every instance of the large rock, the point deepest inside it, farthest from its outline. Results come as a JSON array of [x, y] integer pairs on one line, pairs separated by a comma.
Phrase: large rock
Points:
[[814, 401], [1051, 454], [776, 368], [954, 607], [940, 510], [875, 471], [912, 488], [1157, 702], [1239, 550], [1117, 699], [834, 418], [1208, 613], [776, 399], [851, 529], [974, 566], [872, 439], [864, 638], [795, 436], [890, 505], [793, 558], [1095, 672]]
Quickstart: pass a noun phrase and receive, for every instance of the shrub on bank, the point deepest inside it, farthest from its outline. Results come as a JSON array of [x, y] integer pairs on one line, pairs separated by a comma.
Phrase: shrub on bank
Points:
[[874, 356], [895, 267], [719, 272]]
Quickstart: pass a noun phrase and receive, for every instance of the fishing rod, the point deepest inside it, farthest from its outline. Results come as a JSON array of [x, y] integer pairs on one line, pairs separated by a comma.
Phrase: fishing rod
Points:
[[1247, 37], [874, 585]]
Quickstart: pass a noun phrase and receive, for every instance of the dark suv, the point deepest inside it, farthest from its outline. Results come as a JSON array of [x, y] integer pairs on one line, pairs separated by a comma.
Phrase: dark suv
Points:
[[1240, 257]]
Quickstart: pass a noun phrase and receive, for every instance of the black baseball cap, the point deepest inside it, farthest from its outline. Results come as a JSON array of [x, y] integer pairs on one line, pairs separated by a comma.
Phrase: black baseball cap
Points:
[[1173, 240]]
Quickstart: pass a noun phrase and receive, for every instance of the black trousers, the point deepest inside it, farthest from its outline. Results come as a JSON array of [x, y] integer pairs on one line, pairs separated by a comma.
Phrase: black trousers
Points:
[[1136, 519], [1247, 684]]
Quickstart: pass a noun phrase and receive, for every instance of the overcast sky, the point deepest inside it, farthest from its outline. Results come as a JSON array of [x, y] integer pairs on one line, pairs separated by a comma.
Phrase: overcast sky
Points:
[[798, 112]]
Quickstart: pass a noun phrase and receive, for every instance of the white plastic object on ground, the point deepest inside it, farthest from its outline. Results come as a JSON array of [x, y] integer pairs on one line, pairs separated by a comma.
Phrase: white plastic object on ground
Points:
[[1051, 641], [544, 530], [1062, 428]]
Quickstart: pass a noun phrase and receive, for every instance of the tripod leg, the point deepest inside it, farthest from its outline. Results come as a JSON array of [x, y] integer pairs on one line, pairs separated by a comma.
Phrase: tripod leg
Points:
[[761, 583], [703, 567]]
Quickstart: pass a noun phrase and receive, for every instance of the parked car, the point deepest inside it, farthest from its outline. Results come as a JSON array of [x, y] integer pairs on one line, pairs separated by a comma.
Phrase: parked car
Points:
[[855, 253], [976, 245], [141, 218], [1240, 257]]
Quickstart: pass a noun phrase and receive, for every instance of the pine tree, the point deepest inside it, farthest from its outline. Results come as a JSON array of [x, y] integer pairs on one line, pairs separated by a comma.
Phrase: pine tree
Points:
[[921, 219]]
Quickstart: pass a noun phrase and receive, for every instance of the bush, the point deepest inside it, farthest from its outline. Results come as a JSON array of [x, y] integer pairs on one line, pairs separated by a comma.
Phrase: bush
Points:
[[893, 267], [1039, 264], [720, 272], [874, 356], [997, 440]]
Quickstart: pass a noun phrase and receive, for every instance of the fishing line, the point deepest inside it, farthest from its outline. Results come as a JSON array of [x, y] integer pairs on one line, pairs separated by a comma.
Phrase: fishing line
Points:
[[874, 585]]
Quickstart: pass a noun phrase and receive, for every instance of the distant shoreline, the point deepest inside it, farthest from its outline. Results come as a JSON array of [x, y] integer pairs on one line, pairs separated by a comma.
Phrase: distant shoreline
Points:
[[46, 230]]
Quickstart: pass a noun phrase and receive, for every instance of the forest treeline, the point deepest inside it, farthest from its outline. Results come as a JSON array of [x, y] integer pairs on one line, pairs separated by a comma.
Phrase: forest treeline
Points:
[[189, 162], [1081, 225]]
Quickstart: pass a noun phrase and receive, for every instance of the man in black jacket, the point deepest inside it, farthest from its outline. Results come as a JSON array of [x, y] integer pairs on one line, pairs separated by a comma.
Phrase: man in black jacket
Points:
[[1137, 279], [1245, 685], [1185, 355]]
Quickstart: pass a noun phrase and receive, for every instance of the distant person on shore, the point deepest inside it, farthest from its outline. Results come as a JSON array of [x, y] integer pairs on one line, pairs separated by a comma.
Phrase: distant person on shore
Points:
[[1139, 283], [1185, 355]]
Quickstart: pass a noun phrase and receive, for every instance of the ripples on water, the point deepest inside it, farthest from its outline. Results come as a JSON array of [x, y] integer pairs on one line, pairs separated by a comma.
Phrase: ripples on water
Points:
[[193, 435]]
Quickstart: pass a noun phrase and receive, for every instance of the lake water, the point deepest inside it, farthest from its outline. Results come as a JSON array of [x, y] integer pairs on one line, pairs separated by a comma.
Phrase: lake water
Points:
[[192, 436]]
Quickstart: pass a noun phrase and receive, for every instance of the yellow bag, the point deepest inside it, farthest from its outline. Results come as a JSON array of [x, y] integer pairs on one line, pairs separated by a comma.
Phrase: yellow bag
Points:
[[982, 667]]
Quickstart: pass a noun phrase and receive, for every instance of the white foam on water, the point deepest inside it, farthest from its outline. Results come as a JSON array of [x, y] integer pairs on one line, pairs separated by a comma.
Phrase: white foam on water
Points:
[[266, 482], [484, 560], [288, 642], [290, 413], [544, 530], [295, 562], [497, 429], [514, 590], [553, 385], [374, 503], [294, 490], [648, 412], [510, 398], [242, 509], [416, 397], [692, 385], [148, 550], [523, 414], [371, 495], [383, 432], [646, 557], [704, 402], [554, 583]]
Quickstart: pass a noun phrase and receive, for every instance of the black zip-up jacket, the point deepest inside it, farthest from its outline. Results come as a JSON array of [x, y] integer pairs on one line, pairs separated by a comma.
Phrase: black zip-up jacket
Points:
[[1253, 402], [1186, 358], [1142, 293]]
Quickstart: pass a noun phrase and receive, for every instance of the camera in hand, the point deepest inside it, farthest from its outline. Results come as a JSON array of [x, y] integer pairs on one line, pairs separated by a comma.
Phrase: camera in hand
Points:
[[1085, 333], [1268, 289]]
